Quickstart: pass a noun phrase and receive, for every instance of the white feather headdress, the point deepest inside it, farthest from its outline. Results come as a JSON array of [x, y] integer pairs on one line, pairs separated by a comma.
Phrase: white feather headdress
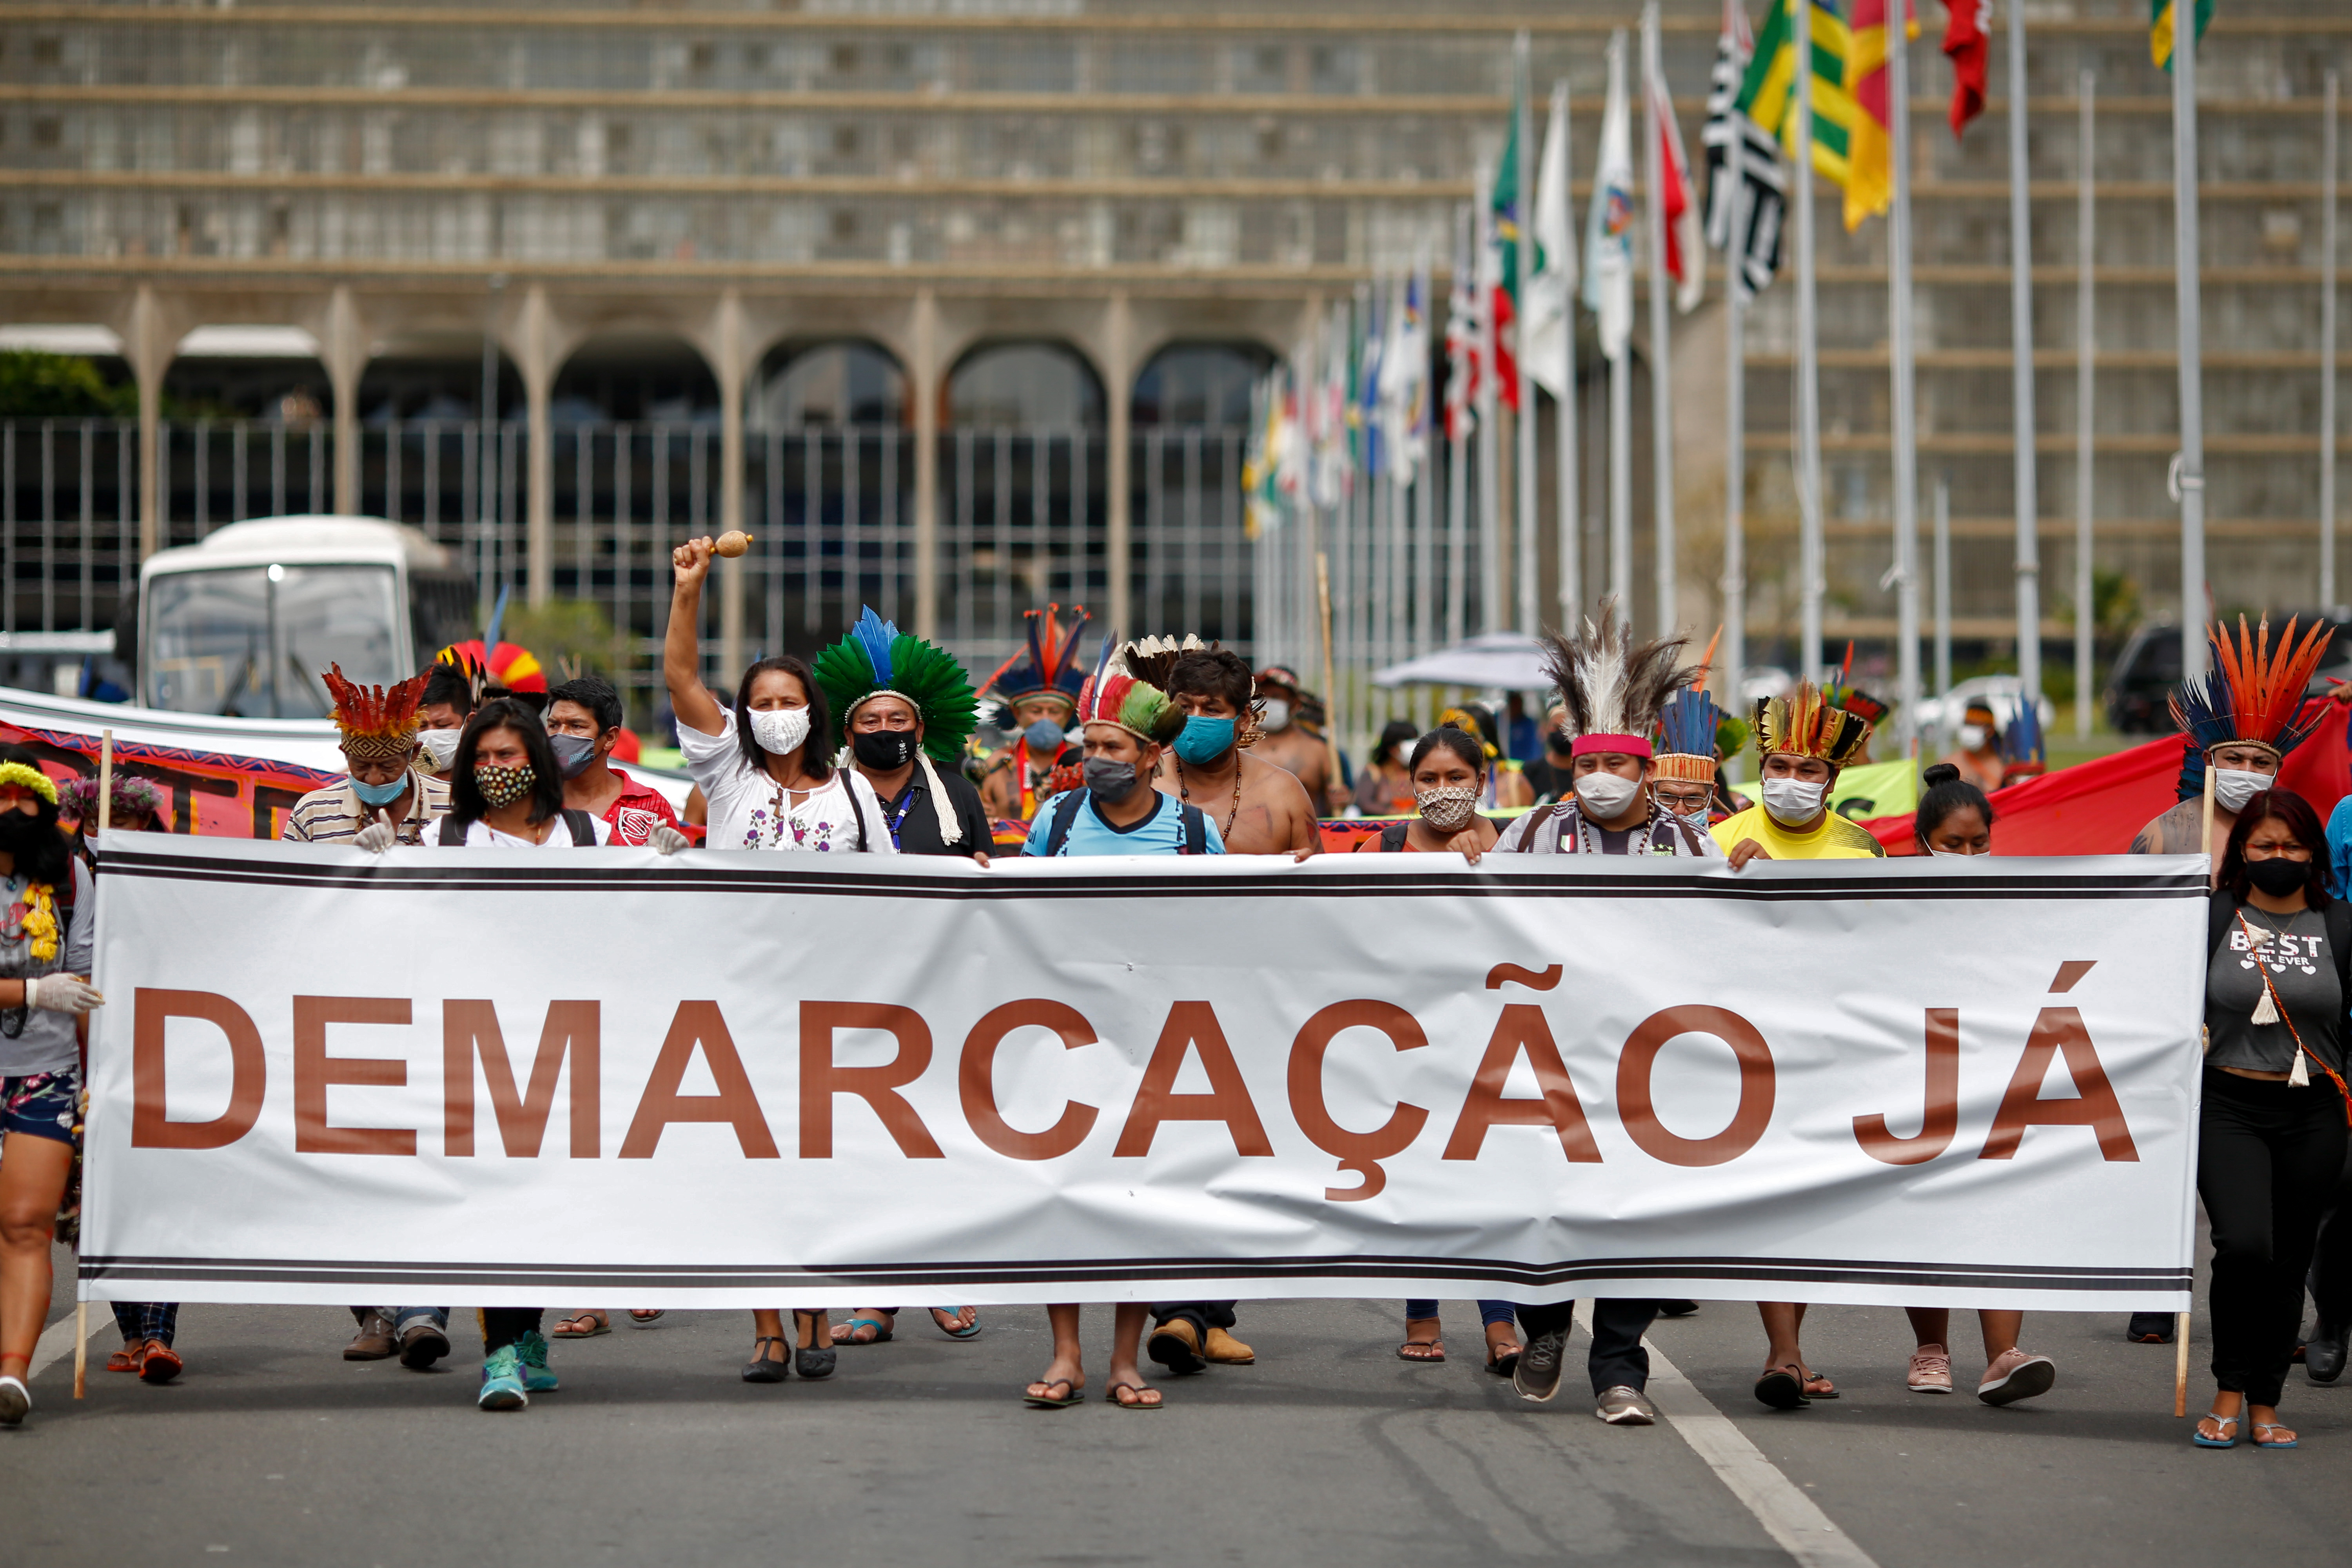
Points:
[[1609, 684]]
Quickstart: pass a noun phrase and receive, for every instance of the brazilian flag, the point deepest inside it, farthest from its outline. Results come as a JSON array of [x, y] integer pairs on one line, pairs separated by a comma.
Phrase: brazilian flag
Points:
[[2160, 31]]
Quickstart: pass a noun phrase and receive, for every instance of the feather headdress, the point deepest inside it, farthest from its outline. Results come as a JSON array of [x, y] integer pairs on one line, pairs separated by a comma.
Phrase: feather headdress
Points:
[[376, 720], [2253, 694], [2023, 752], [1689, 723], [1610, 686], [1048, 666], [1805, 723], [1113, 695], [876, 659], [1153, 660], [1843, 693]]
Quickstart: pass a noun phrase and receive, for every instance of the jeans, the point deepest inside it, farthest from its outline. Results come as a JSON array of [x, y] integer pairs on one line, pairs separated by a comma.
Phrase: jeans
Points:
[[1489, 1312], [400, 1318], [2268, 1160], [1203, 1315], [1619, 1359], [142, 1320]]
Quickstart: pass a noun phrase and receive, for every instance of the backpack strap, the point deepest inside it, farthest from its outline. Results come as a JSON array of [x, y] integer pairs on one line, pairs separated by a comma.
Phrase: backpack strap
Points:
[[1065, 812], [1392, 837], [453, 831], [1196, 828], [583, 827]]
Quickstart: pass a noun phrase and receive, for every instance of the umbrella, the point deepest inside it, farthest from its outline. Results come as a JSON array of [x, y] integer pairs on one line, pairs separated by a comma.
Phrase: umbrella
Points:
[[1510, 661]]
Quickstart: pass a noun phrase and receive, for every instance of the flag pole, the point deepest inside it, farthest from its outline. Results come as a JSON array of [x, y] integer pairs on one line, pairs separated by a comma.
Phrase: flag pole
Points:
[[2189, 464], [1906, 451], [2327, 355], [1571, 535], [1662, 397], [1943, 595], [1809, 378], [2086, 388], [1490, 463], [1523, 255], [1733, 666], [1457, 443], [2020, 337]]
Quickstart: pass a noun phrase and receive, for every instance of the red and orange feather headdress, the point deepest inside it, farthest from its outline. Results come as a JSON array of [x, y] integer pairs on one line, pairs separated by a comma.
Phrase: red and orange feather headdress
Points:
[[2254, 692], [375, 719]]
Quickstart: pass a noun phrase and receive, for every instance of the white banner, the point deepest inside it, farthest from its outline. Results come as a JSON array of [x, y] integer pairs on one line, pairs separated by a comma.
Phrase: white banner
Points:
[[795, 1080]]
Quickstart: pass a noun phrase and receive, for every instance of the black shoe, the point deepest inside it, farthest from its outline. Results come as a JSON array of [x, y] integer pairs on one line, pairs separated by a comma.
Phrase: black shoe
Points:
[[2150, 1329], [1678, 1309], [1537, 1377], [763, 1367], [421, 1344], [814, 1362], [2323, 1354]]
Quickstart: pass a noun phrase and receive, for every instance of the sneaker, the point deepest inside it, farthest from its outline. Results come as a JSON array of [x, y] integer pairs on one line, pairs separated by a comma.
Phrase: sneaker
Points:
[[502, 1380], [1624, 1406], [1931, 1370], [16, 1401], [1537, 1378], [531, 1351], [374, 1342], [2017, 1374], [422, 1343], [2150, 1329]]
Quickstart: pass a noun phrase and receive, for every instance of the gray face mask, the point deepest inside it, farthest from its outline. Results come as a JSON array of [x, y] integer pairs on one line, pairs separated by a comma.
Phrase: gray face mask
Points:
[[1110, 781]]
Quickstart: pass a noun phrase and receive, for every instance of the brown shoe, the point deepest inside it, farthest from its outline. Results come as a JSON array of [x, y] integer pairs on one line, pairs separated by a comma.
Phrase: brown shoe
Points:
[[374, 1342], [1227, 1351], [1175, 1345]]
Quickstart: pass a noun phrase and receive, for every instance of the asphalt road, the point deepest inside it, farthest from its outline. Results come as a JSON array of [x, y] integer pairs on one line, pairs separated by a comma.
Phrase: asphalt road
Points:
[[271, 1450]]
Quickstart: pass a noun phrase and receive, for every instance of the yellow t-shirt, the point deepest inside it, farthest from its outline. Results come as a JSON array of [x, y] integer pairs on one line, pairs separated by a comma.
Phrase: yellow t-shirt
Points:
[[1837, 838]]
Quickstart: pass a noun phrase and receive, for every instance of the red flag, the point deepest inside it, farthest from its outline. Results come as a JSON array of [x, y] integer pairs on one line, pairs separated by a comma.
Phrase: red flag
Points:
[[1968, 39], [1506, 330]]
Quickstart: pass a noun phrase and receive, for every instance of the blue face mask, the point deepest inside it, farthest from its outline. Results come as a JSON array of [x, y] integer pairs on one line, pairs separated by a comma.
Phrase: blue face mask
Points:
[[1045, 736], [379, 794], [1204, 739]]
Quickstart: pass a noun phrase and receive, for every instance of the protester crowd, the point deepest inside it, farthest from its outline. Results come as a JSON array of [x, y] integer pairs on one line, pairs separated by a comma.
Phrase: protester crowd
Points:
[[1171, 746]]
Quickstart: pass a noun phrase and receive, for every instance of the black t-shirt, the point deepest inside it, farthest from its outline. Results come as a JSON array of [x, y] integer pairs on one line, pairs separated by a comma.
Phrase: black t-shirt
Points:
[[916, 825]]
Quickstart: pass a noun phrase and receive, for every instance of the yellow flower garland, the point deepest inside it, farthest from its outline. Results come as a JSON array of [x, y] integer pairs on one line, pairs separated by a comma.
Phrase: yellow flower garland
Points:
[[41, 925]]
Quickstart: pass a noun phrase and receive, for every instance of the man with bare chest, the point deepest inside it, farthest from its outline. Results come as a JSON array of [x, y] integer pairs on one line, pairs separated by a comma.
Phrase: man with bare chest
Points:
[[1289, 743], [1259, 808]]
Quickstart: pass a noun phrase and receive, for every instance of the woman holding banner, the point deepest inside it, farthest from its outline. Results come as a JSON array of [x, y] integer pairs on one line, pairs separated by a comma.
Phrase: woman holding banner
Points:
[[2271, 1127], [45, 951]]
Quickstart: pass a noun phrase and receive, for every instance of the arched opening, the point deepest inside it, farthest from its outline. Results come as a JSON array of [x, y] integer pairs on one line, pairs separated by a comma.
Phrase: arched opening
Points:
[[653, 378], [422, 445], [1199, 384], [848, 381], [1025, 386], [1191, 407], [248, 416]]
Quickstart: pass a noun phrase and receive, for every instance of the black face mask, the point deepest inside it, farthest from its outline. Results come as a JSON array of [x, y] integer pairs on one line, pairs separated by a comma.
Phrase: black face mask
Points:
[[883, 749], [21, 830], [1559, 741], [2278, 876]]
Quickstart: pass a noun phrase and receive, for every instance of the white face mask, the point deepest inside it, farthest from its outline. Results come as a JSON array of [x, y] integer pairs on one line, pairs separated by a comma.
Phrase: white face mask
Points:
[[440, 747], [1957, 854], [1277, 715], [1792, 803], [779, 730], [1604, 795], [2232, 787], [1973, 737]]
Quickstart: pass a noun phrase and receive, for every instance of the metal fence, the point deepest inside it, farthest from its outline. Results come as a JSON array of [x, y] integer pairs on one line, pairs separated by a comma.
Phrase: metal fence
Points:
[[1024, 518]]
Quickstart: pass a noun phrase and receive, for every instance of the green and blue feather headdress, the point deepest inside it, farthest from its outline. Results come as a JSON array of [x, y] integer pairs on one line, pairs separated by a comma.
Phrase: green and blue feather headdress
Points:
[[876, 659]]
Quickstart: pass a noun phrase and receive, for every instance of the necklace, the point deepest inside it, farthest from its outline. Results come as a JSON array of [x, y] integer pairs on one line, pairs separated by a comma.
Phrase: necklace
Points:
[[1184, 793]]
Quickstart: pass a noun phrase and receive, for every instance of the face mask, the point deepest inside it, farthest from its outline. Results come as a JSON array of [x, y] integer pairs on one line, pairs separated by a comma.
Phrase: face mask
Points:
[[1604, 795], [379, 794], [440, 746], [1204, 739], [1109, 780], [1448, 808], [1277, 715], [2232, 787], [1044, 736], [1694, 820], [1792, 803], [1973, 737], [2278, 876], [1953, 853], [21, 830], [572, 753], [883, 750], [504, 786], [779, 730]]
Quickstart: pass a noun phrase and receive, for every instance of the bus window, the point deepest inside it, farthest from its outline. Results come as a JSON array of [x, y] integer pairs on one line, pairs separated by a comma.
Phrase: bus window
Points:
[[441, 606], [252, 642]]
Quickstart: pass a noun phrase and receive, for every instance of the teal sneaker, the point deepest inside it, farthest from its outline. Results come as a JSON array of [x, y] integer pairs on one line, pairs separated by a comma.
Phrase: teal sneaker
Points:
[[532, 1351], [502, 1380]]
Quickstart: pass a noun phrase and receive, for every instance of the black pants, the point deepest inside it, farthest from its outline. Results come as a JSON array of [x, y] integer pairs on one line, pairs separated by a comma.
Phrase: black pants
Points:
[[2268, 1160], [502, 1326], [1203, 1315], [2331, 1259], [1619, 1359]]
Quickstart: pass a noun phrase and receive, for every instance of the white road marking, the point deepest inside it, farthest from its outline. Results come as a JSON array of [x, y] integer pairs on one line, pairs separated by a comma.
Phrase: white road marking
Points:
[[57, 1340], [1787, 1514]]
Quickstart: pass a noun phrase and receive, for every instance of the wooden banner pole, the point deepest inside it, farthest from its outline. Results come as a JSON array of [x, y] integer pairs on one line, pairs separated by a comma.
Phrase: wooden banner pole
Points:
[[81, 1303]]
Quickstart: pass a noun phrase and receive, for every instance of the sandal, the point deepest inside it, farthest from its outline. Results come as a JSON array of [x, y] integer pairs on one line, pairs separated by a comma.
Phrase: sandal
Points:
[[764, 1368], [847, 1333], [645, 1320], [2227, 1423], [1818, 1388], [1112, 1393], [1435, 1347], [159, 1362], [945, 1317], [1783, 1388], [1074, 1391], [1504, 1364], [583, 1326], [815, 1364], [126, 1358], [2263, 1426]]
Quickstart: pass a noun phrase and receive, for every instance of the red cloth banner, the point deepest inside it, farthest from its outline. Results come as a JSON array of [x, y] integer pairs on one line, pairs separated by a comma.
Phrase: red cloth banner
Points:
[[209, 793]]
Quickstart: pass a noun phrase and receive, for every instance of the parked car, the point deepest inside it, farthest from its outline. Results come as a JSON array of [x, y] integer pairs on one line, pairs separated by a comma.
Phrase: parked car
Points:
[[1942, 715]]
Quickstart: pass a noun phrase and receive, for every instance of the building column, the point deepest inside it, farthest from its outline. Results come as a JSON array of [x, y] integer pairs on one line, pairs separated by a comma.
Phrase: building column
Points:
[[727, 365], [923, 374], [536, 361], [148, 346], [345, 353], [1118, 373]]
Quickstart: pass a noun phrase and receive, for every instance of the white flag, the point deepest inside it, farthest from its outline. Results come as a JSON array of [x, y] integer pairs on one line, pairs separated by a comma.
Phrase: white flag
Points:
[[1609, 221], [1550, 318], [1404, 374]]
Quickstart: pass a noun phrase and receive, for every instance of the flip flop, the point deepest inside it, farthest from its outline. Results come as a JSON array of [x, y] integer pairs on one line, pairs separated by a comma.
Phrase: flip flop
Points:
[[2227, 1423], [1782, 1388], [645, 1320], [1111, 1394], [2263, 1426], [1818, 1388], [597, 1322], [1436, 1345], [1506, 1363], [1077, 1394], [881, 1332], [965, 1332]]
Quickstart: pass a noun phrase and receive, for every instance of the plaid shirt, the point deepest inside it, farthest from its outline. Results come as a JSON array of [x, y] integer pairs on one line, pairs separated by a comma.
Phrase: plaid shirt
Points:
[[334, 814]]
